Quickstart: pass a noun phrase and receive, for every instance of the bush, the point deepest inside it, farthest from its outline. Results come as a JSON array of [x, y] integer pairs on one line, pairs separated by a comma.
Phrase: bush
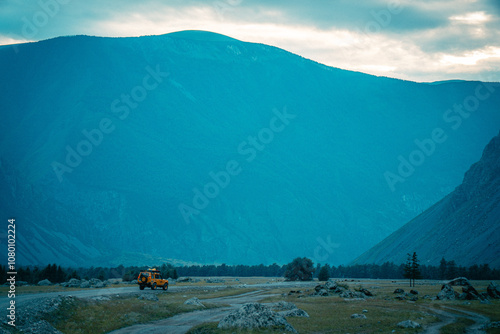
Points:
[[300, 269]]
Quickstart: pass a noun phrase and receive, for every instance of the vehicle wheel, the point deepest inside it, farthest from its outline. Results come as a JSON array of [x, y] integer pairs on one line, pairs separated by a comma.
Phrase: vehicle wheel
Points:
[[141, 287], [165, 286], [144, 279], [153, 287]]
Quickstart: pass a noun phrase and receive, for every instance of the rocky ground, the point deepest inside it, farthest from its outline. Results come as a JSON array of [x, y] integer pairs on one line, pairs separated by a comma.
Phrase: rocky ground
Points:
[[248, 311]]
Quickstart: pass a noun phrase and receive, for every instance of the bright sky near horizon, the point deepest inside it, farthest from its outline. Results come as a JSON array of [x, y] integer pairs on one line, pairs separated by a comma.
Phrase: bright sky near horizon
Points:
[[419, 40]]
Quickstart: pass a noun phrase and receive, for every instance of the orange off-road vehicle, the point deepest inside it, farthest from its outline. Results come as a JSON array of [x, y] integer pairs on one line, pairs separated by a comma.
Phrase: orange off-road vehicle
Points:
[[151, 278]]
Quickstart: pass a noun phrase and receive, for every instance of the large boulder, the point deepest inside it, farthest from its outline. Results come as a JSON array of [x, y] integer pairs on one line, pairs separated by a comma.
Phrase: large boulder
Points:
[[399, 291], [459, 281], [470, 292], [254, 316], [493, 290], [85, 284], [447, 293], [45, 282], [73, 283]]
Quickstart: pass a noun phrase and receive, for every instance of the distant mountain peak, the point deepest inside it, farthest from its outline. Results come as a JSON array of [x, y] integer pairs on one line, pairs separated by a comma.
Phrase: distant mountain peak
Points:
[[201, 35]]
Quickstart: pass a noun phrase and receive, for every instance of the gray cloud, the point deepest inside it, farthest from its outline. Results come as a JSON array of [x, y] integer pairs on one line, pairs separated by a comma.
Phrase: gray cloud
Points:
[[425, 25]]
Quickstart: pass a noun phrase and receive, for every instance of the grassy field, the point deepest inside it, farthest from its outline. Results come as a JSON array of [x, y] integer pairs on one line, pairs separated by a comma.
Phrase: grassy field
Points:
[[327, 314], [333, 314], [88, 316]]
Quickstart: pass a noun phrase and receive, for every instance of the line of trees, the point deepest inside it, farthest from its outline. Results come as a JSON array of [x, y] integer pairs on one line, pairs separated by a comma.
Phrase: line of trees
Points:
[[389, 270]]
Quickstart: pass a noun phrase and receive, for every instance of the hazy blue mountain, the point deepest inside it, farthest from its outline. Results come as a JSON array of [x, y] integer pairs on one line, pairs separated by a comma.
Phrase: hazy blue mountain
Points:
[[464, 226], [156, 118]]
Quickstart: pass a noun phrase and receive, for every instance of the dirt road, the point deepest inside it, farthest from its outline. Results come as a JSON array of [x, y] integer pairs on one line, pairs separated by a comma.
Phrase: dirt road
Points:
[[181, 323], [450, 316]]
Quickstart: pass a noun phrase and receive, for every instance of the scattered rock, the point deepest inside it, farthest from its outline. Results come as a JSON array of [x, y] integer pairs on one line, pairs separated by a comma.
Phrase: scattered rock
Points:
[[322, 293], [414, 298], [409, 324], [352, 294], [148, 296], [282, 306], [365, 311], [73, 283], [30, 318], [399, 291], [400, 297], [294, 313], [485, 301], [45, 282], [358, 316], [194, 301], [447, 293], [85, 284], [294, 292], [414, 292], [255, 315], [366, 292], [493, 290], [101, 298], [214, 280]]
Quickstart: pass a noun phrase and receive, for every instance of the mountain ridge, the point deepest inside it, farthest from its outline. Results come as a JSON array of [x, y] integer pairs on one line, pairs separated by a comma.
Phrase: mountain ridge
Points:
[[462, 227], [323, 172]]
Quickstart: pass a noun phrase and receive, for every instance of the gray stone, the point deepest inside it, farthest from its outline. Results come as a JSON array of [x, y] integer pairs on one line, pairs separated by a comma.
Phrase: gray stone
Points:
[[399, 291], [148, 296], [322, 293], [352, 294], [73, 283], [366, 292], [409, 324], [282, 306], [45, 282], [85, 284], [253, 316], [294, 313], [358, 316], [447, 293], [414, 292], [460, 281], [194, 301], [493, 290]]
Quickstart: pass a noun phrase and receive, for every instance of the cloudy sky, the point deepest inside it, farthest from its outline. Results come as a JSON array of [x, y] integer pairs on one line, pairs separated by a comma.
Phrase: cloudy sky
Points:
[[420, 40]]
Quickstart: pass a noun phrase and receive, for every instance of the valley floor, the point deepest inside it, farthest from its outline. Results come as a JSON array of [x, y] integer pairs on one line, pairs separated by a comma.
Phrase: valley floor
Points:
[[119, 310]]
